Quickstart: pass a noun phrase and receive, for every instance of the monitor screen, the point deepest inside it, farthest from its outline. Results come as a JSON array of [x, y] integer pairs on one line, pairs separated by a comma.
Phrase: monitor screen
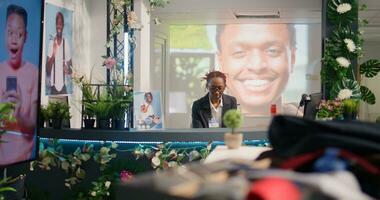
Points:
[[265, 64], [20, 61]]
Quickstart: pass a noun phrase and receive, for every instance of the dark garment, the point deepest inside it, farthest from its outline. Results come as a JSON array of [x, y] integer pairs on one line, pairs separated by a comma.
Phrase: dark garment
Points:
[[292, 136], [54, 91], [201, 111]]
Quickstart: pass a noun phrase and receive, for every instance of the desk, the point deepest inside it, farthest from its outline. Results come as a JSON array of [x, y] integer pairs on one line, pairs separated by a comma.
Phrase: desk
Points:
[[221, 152]]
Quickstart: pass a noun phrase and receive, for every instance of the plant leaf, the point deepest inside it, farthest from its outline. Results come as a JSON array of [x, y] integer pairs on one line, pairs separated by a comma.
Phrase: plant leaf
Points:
[[3, 189], [367, 95], [370, 68], [346, 84], [80, 173]]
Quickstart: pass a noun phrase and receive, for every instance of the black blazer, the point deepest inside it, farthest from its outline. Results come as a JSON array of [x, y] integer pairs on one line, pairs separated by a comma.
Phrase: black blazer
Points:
[[201, 111]]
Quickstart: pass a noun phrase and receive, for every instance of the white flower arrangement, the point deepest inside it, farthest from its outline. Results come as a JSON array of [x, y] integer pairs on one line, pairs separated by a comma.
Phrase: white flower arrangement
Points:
[[343, 62], [345, 94], [350, 45], [343, 8], [93, 193]]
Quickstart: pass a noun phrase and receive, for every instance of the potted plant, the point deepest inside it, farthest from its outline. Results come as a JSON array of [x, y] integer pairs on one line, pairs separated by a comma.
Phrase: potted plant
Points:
[[329, 110], [233, 120], [102, 110], [350, 109], [58, 112], [119, 108], [44, 117], [88, 115], [121, 98]]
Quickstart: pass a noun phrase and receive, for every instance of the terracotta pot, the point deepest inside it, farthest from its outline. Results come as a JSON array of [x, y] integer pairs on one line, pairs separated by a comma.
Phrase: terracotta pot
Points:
[[233, 141]]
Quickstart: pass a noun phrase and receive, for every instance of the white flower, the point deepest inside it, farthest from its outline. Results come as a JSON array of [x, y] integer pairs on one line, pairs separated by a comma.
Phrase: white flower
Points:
[[344, 62], [343, 8], [350, 45], [344, 94], [107, 184], [158, 153], [108, 194], [114, 145], [31, 168], [172, 164], [93, 193], [155, 162]]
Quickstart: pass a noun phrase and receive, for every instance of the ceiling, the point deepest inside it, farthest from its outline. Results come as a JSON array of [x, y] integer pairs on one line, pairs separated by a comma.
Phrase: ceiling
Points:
[[291, 11]]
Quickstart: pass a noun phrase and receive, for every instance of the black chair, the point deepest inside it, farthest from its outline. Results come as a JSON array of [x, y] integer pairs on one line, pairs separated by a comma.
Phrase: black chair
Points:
[[311, 105]]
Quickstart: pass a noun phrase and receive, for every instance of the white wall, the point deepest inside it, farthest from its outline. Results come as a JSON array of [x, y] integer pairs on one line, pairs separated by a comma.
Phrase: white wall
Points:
[[89, 38], [371, 112], [142, 52]]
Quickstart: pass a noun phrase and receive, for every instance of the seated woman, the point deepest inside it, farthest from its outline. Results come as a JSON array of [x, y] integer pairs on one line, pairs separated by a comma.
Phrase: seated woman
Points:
[[208, 111]]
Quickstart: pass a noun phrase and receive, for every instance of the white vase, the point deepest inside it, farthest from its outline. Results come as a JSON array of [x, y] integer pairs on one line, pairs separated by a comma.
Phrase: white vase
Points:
[[233, 141]]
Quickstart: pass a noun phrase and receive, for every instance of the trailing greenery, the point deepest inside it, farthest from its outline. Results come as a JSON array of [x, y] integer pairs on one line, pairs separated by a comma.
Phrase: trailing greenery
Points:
[[4, 186], [164, 156], [52, 155]]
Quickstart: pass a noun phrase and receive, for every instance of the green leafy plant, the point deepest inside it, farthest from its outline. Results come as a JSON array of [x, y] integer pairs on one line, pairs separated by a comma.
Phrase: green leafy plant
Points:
[[44, 112], [233, 119], [52, 155], [102, 109], [100, 189], [4, 186], [165, 156], [6, 115], [350, 106], [88, 110], [58, 110], [342, 48], [158, 3]]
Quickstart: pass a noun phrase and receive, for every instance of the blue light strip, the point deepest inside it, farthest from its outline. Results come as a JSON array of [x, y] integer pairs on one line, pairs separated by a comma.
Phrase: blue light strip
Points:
[[99, 141], [173, 143]]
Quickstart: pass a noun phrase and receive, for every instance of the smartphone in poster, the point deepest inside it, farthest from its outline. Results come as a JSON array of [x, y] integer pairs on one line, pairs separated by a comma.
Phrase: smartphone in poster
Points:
[[20, 58], [147, 110]]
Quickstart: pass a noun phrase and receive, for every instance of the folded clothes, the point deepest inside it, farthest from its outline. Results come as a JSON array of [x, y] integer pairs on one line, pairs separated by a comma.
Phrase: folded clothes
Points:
[[292, 136]]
